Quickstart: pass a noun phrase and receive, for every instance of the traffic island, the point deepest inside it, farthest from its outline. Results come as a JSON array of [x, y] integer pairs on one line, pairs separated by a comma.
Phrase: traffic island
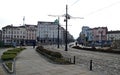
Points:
[[109, 50], [56, 57], [8, 58], [8, 66]]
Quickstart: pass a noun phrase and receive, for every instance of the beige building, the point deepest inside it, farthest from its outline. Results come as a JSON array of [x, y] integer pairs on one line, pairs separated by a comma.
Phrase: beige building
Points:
[[13, 34], [19, 34], [30, 34]]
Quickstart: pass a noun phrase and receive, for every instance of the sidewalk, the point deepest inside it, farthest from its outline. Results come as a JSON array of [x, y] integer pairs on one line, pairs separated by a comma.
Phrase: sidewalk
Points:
[[29, 62], [1, 71]]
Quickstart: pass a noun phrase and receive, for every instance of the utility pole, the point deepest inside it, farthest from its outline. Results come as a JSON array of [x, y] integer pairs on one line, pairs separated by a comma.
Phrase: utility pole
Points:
[[66, 20], [58, 33], [67, 16]]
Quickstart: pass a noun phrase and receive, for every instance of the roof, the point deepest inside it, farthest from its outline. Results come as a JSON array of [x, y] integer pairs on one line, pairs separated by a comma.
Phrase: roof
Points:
[[100, 27], [11, 26], [46, 23], [30, 25], [113, 32]]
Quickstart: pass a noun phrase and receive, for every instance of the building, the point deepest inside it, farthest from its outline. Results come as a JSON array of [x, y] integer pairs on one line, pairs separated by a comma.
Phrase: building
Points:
[[96, 36], [86, 36], [19, 34], [114, 38], [0, 35], [100, 35], [31, 31], [13, 34], [47, 32], [113, 35]]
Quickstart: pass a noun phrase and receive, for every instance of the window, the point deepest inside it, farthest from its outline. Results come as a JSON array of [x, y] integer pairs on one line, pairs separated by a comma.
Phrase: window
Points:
[[14, 36], [14, 32], [9, 32]]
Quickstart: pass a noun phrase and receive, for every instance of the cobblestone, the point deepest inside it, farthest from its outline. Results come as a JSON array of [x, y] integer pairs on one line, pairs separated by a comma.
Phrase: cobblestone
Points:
[[106, 63]]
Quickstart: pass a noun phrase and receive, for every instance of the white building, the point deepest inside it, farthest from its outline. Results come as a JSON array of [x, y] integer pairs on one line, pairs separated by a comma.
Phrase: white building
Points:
[[17, 34], [13, 34], [47, 32], [113, 35]]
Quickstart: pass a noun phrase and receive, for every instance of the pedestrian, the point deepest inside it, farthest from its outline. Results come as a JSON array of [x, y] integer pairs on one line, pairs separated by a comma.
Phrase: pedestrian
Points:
[[21, 43], [14, 44], [33, 44], [76, 43]]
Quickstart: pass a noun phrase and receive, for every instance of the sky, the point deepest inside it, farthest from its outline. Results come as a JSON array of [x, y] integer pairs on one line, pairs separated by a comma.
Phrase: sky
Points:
[[96, 13]]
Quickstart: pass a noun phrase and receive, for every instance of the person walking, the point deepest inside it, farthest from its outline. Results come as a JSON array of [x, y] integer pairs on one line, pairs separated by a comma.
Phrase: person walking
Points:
[[33, 44]]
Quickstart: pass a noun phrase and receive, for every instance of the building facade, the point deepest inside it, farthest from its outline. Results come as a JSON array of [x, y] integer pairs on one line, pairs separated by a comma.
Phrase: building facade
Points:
[[113, 35], [31, 31], [86, 35], [96, 36], [47, 32], [0, 35], [100, 33], [12, 34], [114, 39], [19, 34]]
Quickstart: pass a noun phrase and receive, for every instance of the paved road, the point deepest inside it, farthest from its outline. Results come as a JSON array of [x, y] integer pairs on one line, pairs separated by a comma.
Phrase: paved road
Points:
[[29, 62], [103, 62]]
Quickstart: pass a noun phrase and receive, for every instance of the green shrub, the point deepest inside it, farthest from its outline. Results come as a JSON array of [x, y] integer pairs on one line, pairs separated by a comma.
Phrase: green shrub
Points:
[[56, 54], [62, 61], [51, 53], [8, 56], [39, 48], [9, 65], [10, 52]]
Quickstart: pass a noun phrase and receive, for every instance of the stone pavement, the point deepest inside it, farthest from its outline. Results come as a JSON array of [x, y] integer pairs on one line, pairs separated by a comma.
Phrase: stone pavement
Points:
[[2, 71], [106, 63], [29, 62]]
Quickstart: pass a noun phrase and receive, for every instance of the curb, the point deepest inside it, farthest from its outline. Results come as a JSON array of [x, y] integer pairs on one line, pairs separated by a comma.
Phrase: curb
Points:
[[8, 70]]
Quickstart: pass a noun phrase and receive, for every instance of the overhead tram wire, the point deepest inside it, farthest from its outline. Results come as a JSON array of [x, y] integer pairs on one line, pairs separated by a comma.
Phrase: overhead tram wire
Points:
[[101, 9], [70, 5], [75, 2]]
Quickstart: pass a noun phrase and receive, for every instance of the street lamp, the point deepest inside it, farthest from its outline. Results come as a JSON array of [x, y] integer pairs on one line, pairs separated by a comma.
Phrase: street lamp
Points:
[[57, 22], [67, 16]]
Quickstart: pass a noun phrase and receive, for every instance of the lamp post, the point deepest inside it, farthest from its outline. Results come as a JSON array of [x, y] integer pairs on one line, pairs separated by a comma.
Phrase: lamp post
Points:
[[67, 16], [58, 34], [57, 21], [66, 20]]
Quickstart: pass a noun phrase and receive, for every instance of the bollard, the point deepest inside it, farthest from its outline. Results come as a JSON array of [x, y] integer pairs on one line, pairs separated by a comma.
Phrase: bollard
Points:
[[74, 60], [90, 65]]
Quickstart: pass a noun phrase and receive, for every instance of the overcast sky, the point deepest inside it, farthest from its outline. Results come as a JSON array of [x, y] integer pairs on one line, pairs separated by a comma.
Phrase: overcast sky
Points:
[[96, 13]]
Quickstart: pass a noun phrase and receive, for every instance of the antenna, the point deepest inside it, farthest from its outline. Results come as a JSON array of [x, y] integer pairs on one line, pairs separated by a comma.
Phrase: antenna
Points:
[[23, 20]]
